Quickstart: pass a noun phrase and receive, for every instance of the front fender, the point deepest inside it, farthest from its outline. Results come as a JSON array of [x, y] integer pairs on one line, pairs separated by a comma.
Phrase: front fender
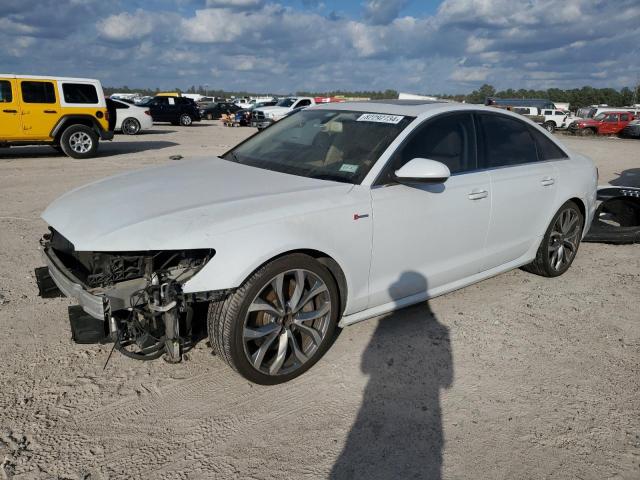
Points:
[[334, 233]]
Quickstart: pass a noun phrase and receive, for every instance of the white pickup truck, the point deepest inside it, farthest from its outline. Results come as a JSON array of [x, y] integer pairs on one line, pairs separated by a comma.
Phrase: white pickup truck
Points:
[[265, 116]]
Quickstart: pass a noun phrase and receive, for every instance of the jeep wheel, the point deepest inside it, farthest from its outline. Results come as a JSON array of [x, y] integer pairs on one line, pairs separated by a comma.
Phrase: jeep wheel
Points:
[[588, 132], [185, 120], [130, 126], [79, 141], [549, 127]]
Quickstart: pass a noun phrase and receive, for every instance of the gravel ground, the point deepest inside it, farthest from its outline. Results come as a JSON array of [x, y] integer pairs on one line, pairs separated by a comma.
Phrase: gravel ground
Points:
[[516, 377]]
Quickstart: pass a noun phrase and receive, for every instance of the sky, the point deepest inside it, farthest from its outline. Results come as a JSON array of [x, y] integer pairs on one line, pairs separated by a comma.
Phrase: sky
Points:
[[283, 46]]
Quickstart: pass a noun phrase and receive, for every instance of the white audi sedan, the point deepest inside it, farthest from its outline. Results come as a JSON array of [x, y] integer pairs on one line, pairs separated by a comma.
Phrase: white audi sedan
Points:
[[131, 119], [334, 215]]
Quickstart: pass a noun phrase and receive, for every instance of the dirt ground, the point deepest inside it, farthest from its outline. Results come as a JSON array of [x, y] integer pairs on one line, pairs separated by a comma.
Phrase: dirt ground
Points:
[[517, 377]]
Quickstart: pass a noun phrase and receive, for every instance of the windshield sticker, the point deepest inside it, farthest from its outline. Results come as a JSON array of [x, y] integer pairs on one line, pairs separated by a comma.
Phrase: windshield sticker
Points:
[[380, 118], [347, 167]]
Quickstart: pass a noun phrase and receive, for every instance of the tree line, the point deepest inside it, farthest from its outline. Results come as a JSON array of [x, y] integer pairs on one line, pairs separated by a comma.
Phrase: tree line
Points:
[[577, 97]]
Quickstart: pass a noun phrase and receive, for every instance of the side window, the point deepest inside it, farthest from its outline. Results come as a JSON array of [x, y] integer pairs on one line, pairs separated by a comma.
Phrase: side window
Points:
[[161, 101], [171, 100], [507, 141], [6, 95], [548, 112], [624, 117], [558, 112], [38, 92], [547, 150], [120, 105], [449, 139], [303, 103], [611, 118], [79, 93]]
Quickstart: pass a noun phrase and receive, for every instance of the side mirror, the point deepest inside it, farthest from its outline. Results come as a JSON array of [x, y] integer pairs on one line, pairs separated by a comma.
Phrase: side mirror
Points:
[[423, 170]]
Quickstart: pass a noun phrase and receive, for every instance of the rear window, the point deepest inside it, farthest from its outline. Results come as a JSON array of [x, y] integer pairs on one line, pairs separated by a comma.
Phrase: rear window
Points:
[[547, 150], [38, 92], [5, 92], [79, 93]]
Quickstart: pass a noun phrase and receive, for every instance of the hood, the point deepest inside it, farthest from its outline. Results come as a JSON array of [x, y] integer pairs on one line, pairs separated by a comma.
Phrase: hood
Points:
[[183, 205]]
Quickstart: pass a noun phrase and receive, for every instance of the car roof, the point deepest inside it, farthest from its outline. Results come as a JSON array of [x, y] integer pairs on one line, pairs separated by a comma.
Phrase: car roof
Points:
[[50, 77], [411, 108]]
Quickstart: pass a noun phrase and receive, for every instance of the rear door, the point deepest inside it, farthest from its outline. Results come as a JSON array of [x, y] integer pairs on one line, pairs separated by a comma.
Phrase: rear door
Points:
[[40, 108], [10, 121], [523, 188]]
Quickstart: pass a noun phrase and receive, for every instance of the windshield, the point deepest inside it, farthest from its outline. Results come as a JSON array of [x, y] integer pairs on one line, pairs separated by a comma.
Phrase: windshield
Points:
[[600, 116], [336, 145], [286, 102]]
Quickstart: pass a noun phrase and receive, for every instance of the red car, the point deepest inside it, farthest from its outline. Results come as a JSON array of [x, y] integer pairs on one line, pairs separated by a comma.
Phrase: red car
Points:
[[605, 123]]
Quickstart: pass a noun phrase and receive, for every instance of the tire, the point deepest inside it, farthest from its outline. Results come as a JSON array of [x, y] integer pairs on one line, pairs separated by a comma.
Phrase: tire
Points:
[[549, 126], [186, 120], [264, 346], [561, 235], [588, 132], [130, 126], [79, 141]]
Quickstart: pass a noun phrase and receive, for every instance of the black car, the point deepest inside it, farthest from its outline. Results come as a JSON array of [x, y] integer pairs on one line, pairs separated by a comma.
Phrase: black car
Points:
[[215, 110], [177, 110]]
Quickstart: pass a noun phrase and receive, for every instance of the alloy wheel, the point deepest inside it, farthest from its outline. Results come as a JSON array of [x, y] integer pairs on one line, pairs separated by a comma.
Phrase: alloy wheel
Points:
[[80, 142], [564, 239], [287, 322], [131, 126]]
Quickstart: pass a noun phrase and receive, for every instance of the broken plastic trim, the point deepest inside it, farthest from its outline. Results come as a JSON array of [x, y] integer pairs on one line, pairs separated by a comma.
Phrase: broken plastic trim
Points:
[[617, 216]]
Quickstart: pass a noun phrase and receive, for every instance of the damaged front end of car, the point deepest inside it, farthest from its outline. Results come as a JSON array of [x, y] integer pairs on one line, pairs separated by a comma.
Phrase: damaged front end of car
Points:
[[134, 299]]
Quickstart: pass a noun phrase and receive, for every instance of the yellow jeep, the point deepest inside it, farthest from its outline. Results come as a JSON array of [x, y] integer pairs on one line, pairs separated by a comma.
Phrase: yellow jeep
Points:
[[70, 114]]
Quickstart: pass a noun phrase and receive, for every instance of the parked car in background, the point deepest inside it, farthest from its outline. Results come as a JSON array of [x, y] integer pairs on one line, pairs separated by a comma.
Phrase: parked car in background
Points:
[[632, 129], [427, 198], [607, 123], [131, 119], [176, 110], [264, 116], [554, 119], [215, 110], [70, 114]]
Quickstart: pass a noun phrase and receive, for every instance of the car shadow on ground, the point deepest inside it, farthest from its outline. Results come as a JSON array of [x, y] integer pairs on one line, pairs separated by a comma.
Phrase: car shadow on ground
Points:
[[627, 178], [106, 149], [398, 431]]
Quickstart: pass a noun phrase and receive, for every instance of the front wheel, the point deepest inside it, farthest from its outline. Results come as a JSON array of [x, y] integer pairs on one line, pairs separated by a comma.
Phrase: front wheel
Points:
[[279, 322], [185, 120], [560, 242], [550, 127], [79, 141]]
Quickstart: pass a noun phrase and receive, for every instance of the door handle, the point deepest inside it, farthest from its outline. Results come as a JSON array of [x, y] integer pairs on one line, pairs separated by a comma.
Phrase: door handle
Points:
[[10, 111], [547, 181], [478, 194], [50, 111]]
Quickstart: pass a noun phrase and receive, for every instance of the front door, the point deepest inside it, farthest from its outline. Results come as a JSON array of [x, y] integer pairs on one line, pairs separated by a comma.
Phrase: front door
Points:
[[426, 236], [10, 121], [609, 124], [40, 108]]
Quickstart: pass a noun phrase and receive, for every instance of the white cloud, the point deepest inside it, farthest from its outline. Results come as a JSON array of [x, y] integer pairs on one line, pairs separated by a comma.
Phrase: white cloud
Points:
[[126, 26]]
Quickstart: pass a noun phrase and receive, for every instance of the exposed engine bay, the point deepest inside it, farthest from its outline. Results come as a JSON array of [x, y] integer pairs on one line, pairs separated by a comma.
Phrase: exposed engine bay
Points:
[[144, 310]]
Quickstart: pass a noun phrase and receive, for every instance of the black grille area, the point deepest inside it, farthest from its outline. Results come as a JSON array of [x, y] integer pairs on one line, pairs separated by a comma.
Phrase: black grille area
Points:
[[100, 269]]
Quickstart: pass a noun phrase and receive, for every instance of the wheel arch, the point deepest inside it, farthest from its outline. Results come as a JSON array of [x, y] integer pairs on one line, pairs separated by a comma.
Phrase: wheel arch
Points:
[[324, 259], [68, 120]]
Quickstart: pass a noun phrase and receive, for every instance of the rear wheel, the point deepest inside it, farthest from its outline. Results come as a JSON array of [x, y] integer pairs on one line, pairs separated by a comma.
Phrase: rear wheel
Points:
[[79, 141], [130, 126], [560, 242], [279, 322], [185, 120]]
